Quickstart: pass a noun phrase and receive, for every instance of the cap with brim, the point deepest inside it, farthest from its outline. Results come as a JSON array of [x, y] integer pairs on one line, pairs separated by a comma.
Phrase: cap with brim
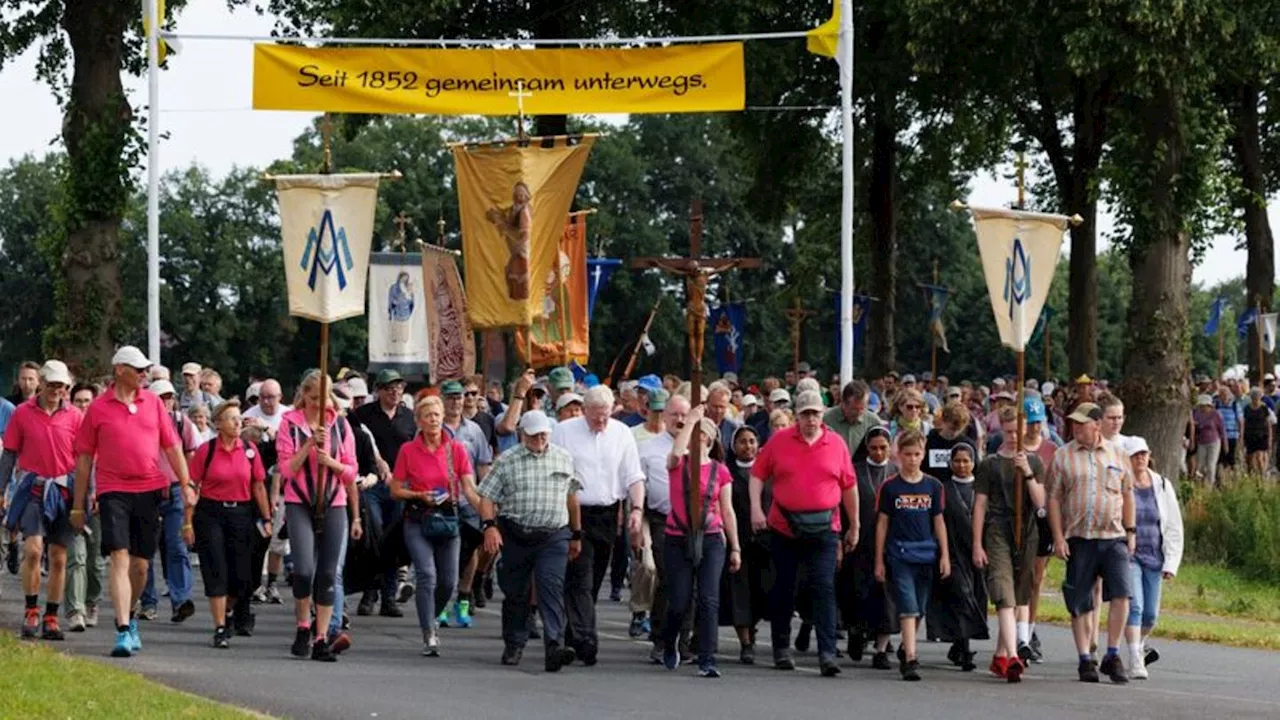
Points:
[[255, 390], [1003, 395], [191, 368], [954, 393], [342, 398], [566, 399], [658, 399], [1033, 408], [1086, 412], [730, 377], [908, 379], [803, 367], [649, 383], [388, 377], [357, 388], [749, 400], [1268, 378], [1138, 445], [162, 387], [560, 378], [1204, 400], [534, 422], [131, 356], [55, 372], [452, 387], [779, 396], [808, 401]]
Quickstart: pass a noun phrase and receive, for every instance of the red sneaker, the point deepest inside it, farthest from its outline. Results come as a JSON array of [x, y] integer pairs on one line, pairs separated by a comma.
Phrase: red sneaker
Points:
[[51, 629], [31, 624], [1014, 672], [340, 643], [999, 666]]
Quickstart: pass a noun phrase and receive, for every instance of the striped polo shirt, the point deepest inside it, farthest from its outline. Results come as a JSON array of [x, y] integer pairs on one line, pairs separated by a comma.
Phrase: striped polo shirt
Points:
[[1089, 485]]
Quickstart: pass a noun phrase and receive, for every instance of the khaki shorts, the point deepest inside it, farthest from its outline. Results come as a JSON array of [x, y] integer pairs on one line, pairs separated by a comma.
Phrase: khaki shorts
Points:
[[1008, 586]]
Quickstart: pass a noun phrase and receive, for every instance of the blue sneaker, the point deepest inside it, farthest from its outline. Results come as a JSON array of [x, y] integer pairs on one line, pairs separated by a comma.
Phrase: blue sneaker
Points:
[[709, 670], [671, 658], [646, 628], [124, 645], [462, 613], [135, 640], [443, 618]]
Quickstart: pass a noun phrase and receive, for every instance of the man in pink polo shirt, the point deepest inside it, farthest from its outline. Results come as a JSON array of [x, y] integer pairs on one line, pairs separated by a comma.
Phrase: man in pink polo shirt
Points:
[[38, 441], [811, 474], [118, 438]]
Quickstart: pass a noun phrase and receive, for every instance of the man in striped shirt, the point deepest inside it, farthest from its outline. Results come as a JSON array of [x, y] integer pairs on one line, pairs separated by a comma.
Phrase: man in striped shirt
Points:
[[1092, 516]]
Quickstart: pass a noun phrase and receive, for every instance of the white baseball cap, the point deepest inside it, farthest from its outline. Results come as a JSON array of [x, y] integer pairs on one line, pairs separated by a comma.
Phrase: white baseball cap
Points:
[[191, 368], [255, 390], [779, 396], [131, 356], [534, 422], [567, 398], [55, 371], [748, 400], [809, 400], [162, 387], [357, 387]]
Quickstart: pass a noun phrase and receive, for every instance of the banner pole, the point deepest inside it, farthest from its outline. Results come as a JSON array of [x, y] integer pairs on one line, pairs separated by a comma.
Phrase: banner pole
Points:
[[322, 476], [846, 195], [564, 307], [1019, 481]]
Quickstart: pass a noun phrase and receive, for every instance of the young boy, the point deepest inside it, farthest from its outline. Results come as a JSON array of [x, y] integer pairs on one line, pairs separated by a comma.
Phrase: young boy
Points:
[[911, 539]]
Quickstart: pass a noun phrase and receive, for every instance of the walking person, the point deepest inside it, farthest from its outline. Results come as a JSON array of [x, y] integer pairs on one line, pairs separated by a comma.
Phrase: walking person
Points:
[[657, 496], [175, 557], [745, 593], [1210, 436], [958, 609], [529, 503], [118, 439], [1157, 554], [39, 441], [85, 565], [316, 454], [232, 507], [1258, 432], [432, 474], [471, 437], [869, 610]]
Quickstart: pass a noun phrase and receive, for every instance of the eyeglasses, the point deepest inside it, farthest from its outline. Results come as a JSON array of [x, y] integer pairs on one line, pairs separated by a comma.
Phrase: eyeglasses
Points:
[[473, 393], [911, 406]]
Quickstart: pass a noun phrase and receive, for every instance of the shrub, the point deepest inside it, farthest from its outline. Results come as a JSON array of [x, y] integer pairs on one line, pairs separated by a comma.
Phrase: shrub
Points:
[[1236, 525]]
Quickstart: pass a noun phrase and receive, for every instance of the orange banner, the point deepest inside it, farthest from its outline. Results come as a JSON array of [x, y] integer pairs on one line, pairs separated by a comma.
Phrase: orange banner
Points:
[[565, 291]]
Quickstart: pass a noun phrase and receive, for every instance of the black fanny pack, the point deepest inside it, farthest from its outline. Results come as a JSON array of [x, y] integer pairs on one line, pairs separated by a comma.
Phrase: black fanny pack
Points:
[[525, 535], [809, 525]]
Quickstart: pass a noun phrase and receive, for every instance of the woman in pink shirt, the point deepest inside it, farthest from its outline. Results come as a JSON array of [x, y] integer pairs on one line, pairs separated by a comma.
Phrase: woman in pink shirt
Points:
[[687, 554], [229, 479], [316, 460]]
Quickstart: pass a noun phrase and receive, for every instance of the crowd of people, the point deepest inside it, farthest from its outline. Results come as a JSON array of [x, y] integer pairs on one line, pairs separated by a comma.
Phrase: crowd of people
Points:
[[868, 510]]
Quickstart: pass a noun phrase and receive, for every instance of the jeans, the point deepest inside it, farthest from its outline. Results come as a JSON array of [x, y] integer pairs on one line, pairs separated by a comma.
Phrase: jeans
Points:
[[85, 568], [435, 566], [818, 558], [1144, 596], [384, 512], [339, 595], [544, 563], [679, 578], [177, 561]]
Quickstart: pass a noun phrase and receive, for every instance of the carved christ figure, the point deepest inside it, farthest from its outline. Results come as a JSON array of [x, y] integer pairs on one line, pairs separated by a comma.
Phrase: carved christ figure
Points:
[[696, 276], [515, 224]]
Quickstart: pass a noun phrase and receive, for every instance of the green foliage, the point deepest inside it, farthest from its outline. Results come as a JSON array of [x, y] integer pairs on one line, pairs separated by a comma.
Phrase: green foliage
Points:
[[29, 188], [1236, 526]]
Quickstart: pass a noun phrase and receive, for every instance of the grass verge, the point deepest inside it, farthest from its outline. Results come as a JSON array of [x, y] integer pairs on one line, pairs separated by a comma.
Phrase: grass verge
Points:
[[41, 683], [1204, 604]]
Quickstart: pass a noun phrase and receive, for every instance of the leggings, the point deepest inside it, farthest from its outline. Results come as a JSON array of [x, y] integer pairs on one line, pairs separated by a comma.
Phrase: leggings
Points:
[[435, 565], [315, 555]]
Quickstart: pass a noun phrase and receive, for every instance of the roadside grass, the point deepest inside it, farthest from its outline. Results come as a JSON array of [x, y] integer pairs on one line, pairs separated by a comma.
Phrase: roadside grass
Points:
[[42, 683]]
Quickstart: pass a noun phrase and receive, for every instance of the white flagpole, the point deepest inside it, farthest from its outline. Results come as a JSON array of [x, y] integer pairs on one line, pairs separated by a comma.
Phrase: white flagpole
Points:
[[153, 181], [845, 49]]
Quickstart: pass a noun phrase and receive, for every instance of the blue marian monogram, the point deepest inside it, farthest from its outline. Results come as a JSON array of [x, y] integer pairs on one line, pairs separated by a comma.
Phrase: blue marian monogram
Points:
[[317, 257], [1017, 276]]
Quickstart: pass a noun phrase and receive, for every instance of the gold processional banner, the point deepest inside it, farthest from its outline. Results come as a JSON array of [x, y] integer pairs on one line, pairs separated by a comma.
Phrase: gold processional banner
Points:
[[1019, 253], [674, 79], [452, 343], [513, 198], [564, 308]]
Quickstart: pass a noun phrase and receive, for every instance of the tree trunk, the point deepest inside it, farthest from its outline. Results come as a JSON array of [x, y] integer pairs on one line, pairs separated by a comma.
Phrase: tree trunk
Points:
[[1260, 270], [97, 132], [884, 240], [1157, 365]]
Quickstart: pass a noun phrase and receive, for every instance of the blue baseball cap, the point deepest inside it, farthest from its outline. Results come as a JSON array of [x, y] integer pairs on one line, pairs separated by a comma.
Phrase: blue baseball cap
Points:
[[1033, 408], [649, 383]]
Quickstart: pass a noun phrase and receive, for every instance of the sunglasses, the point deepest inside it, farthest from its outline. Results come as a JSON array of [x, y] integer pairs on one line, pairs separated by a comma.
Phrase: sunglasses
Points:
[[911, 406], [473, 393]]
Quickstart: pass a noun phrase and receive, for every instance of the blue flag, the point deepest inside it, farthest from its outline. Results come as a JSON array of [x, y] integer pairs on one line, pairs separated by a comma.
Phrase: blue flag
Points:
[[729, 328], [599, 270], [1250, 317], [861, 310], [1046, 316], [1215, 316]]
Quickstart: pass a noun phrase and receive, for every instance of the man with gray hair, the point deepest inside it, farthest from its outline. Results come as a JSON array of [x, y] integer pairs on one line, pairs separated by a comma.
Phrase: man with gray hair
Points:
[[718, 412], [605, 458]]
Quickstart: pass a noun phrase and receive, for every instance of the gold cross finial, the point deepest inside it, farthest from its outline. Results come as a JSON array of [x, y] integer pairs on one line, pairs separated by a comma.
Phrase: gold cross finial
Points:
[[401, 221], [520, 95], [326, 140], [440, 230]]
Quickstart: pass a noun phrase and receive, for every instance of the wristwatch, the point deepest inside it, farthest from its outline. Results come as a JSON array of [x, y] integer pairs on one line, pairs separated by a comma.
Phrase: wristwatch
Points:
[[486, 524], [1131, 531], [575, 535]]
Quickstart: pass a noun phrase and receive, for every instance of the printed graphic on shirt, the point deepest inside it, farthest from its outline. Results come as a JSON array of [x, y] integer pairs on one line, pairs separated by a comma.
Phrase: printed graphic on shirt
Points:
[[940, 458], [913, 502]]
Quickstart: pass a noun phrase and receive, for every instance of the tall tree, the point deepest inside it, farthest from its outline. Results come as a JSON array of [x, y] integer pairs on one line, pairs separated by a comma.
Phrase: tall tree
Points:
[[29, 190]]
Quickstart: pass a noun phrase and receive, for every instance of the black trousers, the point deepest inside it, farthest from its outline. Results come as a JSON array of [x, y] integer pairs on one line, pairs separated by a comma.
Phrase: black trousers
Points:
[[223, 539], [586, 574]]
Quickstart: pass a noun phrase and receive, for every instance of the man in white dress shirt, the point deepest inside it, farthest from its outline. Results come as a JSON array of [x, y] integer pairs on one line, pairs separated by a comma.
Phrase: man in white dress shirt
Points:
[[605, 457]]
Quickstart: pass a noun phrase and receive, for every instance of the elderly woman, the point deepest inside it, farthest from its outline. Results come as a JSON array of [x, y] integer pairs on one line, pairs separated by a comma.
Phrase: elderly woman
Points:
[[1258, 432], [204, 431], [1157, 553], [1210, 434], [432, 473], [316, 458], [229, 479]]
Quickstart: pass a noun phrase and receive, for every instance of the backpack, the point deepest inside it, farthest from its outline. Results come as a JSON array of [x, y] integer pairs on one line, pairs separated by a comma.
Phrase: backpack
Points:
[[335, 443]]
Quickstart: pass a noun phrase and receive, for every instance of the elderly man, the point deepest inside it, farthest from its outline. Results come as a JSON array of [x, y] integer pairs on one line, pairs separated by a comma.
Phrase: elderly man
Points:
[[119, 438], [39, 441], [269, 411], [1093, 519], [852, 418], [812, 474], [718, 412], [192, 393], [605, 458], [530, 508], [653, 461]]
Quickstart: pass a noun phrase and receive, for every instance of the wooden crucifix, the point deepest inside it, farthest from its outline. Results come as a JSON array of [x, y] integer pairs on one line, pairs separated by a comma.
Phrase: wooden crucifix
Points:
[[797, 315], [401, 242], [696, 271]]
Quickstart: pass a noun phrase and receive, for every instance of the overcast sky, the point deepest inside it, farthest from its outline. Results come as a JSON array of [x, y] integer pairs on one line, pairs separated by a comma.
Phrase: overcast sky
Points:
[[206, 111]]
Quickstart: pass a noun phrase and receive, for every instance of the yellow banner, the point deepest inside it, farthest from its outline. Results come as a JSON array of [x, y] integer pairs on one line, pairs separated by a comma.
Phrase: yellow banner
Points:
[[513, 199], [676, 79], [565, 307]]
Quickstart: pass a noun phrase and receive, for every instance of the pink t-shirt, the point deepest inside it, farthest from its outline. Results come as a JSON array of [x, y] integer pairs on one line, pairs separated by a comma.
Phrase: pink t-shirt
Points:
[[230, 471], [123, 437], [804, 477], [425, 470], [44, 443], [296, 421], [675, 480]]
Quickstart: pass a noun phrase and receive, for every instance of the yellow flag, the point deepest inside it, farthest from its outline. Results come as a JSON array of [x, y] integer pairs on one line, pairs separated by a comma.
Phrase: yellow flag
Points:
[[513, 198], [824, 39], [162, 47]]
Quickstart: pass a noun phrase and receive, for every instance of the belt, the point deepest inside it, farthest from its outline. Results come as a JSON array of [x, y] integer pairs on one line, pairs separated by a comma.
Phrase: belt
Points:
[[226, 503], [600, 508]]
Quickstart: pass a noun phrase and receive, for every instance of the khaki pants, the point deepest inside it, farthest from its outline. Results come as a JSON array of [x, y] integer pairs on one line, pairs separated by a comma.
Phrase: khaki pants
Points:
[[644, 574], [85, 568]]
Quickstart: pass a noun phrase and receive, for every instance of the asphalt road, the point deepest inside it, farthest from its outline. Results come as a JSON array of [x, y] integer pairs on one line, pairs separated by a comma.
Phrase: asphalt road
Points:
[[383, 676]]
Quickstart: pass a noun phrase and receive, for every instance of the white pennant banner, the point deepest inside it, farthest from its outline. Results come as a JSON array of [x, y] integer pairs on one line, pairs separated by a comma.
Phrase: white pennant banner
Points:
[[1267, 331], [1019, 253], [326, 223]]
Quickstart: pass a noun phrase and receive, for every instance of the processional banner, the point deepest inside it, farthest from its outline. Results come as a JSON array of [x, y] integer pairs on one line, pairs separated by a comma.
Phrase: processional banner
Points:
[[398, 336]]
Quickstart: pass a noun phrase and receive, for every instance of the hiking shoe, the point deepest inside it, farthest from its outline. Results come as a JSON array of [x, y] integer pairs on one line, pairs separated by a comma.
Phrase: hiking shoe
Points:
[[782, 659], [671, 658], [340, 643], [221, 638], [90, 615], [1151, 656], [911, 670], [134, 636], [391, 610], [802, 638], [1013, 673], [1088, 671], [512, 655], [1114, 669], [636, 629], [828, 666], [50, 630], [320, 651], [462, 612], [880, 661], [558, 657], [708, 670], [365, 608], [588, 654], [75, 623], [301, 642], [855, 647], [244, 624], [748, 654], [124, 645]]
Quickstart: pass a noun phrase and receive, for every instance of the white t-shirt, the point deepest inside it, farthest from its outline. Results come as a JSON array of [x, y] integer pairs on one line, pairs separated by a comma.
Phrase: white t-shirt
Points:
[[653, 460], [273, 421], [607, 462]]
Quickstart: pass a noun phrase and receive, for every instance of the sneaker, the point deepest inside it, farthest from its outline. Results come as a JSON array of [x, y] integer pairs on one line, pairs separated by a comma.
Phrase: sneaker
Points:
[[636, 629], [478, 600], [803, 637], [512, 655], [655, 653], [708, 670], [301, 642], [148, 613], [134, 636], [320, 651], [1013, 673], [221, 638], [999, 666], [404, 593], [431, 645], [31, 624], [615, 595], [1138, 667], [340, 643], [911, 670], [12, 560], [880, 661], [1088, 671], [558, 657], [855, 647], [1114, 669], [50, 629], [75, 623], [259, 596], [124, 645], [671, 657], [1151, 656], [782, 659], [589, 654], [1025, 653], [462, 611], [443, 620], [390, 610], [828, 666], [1037, 653], [183, 611], [244, 624], [273, 596], [535, 633], [748, 654], [90, 615], [365, 608]]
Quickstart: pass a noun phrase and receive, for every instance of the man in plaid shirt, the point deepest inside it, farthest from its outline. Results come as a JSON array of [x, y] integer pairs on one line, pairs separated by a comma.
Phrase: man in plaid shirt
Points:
[[529, 506]]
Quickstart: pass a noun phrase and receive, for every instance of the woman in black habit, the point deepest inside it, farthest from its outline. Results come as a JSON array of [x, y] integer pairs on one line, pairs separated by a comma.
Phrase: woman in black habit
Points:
[[867, 609], [745, 594], [958, 610]]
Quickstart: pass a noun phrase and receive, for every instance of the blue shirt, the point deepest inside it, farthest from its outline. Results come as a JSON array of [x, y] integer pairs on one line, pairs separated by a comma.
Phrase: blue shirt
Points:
[[6, 412], [911, 508], [1149, 545], [1230, 418]]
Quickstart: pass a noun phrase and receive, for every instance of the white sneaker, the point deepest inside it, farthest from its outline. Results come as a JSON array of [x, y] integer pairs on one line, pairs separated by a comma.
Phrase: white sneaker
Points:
[[91, 616], [1137, 666], [431, 648], [76, 622]]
